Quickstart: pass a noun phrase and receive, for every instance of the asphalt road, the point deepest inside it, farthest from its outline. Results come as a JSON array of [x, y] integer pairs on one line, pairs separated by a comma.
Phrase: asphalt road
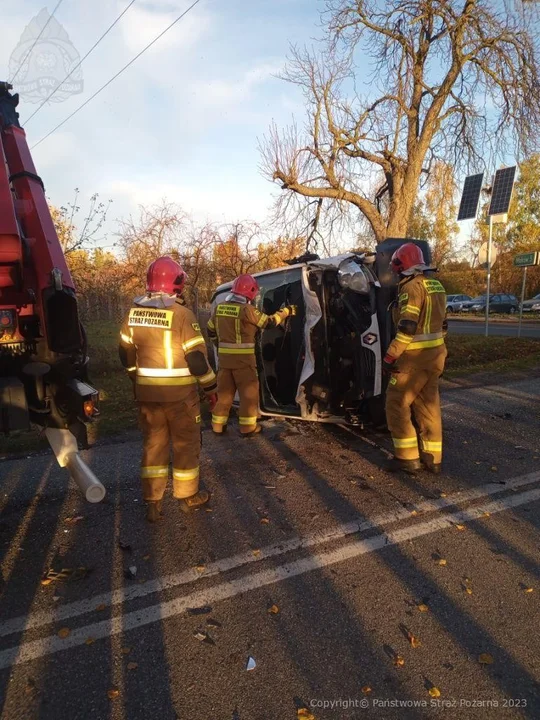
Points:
[[508, 329], [305, 518]]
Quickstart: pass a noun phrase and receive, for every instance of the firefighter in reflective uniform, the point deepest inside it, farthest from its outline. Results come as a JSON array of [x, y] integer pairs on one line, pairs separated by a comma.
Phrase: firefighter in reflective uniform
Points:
[[232, 328], [164, 352], [415, 361]]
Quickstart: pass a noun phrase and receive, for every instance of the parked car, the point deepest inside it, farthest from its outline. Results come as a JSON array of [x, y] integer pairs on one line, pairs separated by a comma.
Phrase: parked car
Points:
[[532, 305], [454, 303], [498, 303], [325, 363]]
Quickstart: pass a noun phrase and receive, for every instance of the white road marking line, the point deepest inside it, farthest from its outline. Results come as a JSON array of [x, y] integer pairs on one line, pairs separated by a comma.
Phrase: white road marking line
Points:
[[161, 611], [116, 597]]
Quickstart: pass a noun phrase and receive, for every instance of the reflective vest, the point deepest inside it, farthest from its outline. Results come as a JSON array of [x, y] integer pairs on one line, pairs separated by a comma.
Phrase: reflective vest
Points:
[[420, 315], [156, 339]]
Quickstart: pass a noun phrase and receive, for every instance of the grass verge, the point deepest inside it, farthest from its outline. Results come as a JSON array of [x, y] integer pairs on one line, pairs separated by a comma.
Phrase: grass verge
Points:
[[468, 354]]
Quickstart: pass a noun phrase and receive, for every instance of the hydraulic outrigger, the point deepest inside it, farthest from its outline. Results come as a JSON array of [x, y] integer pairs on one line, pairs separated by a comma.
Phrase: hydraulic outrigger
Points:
[[43, 348]]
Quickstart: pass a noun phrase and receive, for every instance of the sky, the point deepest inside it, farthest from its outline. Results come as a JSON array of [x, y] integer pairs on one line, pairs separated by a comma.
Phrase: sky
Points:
[[183, 122]]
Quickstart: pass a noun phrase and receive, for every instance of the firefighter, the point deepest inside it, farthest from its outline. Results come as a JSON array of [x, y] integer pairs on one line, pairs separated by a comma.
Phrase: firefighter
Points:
[[415, 361], [164, 352], [232, 328]]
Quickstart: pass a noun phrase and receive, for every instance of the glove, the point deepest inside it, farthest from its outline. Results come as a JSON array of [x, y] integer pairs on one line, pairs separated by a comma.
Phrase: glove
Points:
[[212, 400], [388, 365], [292, 310]]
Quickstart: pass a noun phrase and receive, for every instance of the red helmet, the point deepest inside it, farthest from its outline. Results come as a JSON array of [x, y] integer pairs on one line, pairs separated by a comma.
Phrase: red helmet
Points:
[[166, 276], [245, 285], [406, 257]]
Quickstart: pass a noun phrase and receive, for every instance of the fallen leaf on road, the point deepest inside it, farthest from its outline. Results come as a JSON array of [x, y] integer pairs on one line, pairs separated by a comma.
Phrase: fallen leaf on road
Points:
[[304, 714], [146, 557], [399, 661], [494, 468], [200, 568], [460, 527], [273, 610], [415, 642], [468, 590], [434, 692], [132, 666], [126, 650], [124, 546], [101, 607], [89, 641], [486, 514], [264, 521], [73, 520], [113, 693], [366, 690], [443, 495], [485, 659], [414, 512], [442, 561], [528, 590], [63, 633], [423, 607], [256, 553]]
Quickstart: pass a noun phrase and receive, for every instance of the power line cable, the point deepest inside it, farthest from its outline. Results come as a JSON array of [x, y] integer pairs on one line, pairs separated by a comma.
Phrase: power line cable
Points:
[[78, 65], [36, 41], [158, 37]]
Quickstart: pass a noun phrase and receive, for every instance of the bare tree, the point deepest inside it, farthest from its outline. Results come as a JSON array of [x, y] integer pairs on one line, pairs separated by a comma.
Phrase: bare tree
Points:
[[75, 234], [451, 80]]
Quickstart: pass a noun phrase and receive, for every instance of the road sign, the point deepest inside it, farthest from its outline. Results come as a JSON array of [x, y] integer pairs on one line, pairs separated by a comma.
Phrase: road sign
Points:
[[470, 197], [483, 254], [502, 191], [527, 259]]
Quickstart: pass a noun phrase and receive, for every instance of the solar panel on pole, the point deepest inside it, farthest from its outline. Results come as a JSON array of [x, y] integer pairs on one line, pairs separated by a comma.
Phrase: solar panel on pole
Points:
[[502, 191], [471, 195]]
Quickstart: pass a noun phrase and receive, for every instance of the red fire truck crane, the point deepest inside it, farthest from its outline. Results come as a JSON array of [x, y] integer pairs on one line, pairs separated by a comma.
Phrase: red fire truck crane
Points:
[[43, 349]]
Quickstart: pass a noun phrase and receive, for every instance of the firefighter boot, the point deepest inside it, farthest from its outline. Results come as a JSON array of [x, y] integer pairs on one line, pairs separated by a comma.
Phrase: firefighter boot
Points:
[[153, 510], [195, 501], [250, 433], [431, 466], [411, 467], [219, 429]]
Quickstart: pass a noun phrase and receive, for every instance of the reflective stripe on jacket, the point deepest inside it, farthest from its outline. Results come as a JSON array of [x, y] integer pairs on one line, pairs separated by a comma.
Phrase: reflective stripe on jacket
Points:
[[162, 345], [420, 315]]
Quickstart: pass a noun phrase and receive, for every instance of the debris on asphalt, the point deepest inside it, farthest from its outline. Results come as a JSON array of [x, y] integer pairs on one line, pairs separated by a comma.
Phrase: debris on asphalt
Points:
[[423, 607], [131, 572], [442, 561], [89, 641], [146, 557], [213, 623], [101, 607], [64, 633], [203, 610], [434, 692], [414, 641], [273, 610], [113, 693], [63, 574], [399, 661], [203, 636], [485, 659], [124, 546], [265, 521], [304, 714], [73, 520], [367, 690], [256, 553], [200, 568], [494, 468], [460, 527], [132, 666], [251, 664], [126, 650], [528, 590]]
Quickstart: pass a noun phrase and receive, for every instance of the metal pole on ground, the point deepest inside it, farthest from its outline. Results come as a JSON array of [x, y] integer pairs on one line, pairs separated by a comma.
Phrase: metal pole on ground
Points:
[[488, 289], [522, 299]]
